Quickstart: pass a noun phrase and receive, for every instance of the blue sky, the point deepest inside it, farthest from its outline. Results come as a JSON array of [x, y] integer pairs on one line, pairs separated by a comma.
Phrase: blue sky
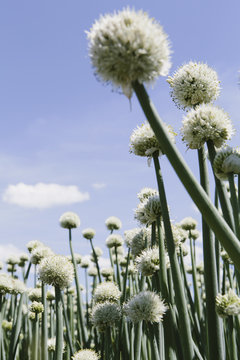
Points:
[[59, 125]]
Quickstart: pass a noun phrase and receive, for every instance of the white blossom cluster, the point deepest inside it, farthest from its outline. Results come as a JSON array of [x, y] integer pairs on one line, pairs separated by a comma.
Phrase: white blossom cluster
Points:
[[143, 141], [206, 122], [40, 252], [113, 223], [9, 285], [226, 161], [145, 193], [148, 211], [127, 46], [194, 84], [147, 262], [106, 291], [105, 314], [228, 304], [86, 354], [56, 270], [69, 220], [146, 306], [140, 241], [88, 233], [114, 240]]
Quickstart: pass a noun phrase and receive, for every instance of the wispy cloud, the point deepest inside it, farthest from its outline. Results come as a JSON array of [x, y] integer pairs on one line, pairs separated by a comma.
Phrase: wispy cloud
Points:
[[98, 186], [43, 195]]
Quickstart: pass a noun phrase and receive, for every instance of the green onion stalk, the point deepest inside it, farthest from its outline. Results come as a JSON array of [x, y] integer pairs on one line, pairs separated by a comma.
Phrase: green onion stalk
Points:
[[169, 321], [68, 331], [96, 261], [181, 303], [79, 299], [214, 324], [211, 215], [59, 324], [118, 269], [16, 329], [44, 335], [234, 202], [194, 277], [35, 336]]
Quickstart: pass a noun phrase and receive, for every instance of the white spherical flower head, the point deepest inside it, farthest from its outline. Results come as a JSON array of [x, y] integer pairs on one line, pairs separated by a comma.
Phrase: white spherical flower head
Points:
[[35, 294], [148, 211], [129, 235], [18, 287], [114, 240], [194, 84], [33, 244], [113, 223], [127, 46], [146, 306], [13, 260], [228, 304], [106, 291], [206, 122], [56, 270], [140, 241], [69, 220], [188, 223], [39, 253], [145, 193], [107, 272], [105, 315], [36, 307], [92, 271], [222, 155], [86, 354], [85, 262], [89, 233], [147, 262], [143, 141], [179, 234], [6, 284]]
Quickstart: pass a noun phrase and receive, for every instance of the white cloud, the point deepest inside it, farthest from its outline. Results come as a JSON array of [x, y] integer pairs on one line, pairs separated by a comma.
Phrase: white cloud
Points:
[[43, 195], [98, 186], [8, 250]]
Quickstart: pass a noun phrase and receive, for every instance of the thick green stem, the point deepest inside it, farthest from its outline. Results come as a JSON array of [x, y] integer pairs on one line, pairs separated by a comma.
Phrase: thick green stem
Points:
[[234, 202], [169, 318], [68, 331], [181, 303], [59, 325], [16, 330], [96, 261], [232, 339], [118, 270], [223, 197], [195, 286], [34, 352], [79, 298], [44, 325], [211, 215], [214, 324], [138, 338]]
